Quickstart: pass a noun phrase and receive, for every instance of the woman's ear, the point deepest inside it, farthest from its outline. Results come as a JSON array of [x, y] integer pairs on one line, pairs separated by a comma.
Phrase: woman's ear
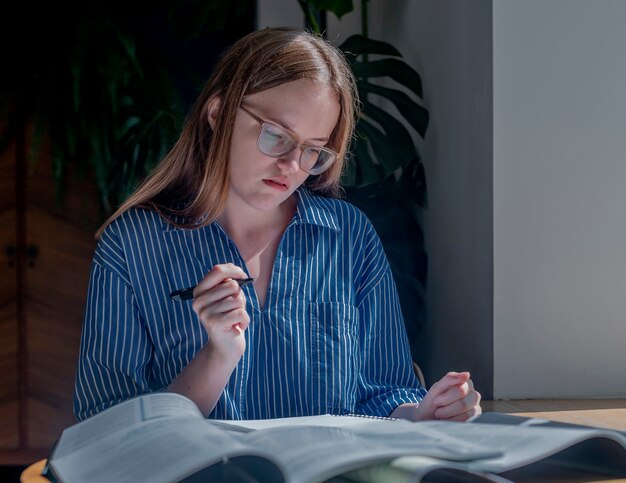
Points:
[[213, 110]]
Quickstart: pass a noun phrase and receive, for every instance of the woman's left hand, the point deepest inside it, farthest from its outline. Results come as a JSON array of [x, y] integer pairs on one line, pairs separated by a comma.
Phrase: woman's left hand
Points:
[[452, 398]]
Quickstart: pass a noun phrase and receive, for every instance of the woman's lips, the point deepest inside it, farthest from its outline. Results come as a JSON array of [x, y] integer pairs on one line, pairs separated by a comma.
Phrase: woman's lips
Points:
[[276, 185]]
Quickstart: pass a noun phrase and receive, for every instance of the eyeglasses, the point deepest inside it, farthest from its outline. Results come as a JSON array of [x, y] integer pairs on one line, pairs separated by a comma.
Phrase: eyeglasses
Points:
[[276, 141]]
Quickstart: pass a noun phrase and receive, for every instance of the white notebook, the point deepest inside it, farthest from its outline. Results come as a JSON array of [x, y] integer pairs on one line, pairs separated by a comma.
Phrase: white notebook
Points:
[[330, 420]]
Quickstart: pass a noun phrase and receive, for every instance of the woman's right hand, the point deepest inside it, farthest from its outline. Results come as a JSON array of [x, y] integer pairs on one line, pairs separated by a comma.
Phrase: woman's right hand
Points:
[[220, 304]]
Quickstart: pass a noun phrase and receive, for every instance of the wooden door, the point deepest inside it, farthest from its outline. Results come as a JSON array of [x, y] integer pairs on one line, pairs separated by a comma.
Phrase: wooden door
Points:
[[55, 240]]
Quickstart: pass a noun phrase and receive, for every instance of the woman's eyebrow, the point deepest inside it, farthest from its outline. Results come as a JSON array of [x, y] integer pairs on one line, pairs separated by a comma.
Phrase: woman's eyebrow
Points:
[[271, 119], [322, 140], [288, 129]]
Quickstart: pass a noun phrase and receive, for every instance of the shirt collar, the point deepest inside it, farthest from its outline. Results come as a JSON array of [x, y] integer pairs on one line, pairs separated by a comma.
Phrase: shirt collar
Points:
[[312, 209], [315, 210]]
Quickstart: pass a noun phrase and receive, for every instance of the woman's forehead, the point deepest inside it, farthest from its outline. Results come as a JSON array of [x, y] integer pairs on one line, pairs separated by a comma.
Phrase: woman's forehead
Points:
[[293, 99], [311, 114]]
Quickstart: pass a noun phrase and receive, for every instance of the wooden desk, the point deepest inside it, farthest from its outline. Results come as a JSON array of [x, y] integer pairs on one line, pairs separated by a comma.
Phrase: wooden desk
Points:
[[603, 413]]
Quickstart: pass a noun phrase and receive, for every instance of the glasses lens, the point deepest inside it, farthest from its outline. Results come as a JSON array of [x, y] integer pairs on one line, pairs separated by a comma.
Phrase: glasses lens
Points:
[[316, 160], [275, 141]]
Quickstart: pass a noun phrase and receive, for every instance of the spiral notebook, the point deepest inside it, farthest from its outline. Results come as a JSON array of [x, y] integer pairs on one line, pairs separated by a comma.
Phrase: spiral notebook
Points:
[[330, 420]]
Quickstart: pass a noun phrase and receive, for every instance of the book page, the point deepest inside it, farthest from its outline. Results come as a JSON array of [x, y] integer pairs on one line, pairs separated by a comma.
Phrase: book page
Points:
[[162, 404], [122, 416], [520, 445], [316, 453], [159, 451], [329, 420], [146, 444], [169, 449], [412, 469]]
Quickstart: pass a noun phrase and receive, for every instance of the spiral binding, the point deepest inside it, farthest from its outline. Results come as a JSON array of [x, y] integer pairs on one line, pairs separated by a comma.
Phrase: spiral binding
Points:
[[366, 416]]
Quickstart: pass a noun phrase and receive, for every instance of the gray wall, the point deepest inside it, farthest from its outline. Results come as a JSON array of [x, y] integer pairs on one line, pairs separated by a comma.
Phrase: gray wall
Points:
[[560, 198], [450, 44]]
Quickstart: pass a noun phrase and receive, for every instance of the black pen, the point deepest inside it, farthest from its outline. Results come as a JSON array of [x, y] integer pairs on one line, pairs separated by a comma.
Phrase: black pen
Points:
[[187, 293]]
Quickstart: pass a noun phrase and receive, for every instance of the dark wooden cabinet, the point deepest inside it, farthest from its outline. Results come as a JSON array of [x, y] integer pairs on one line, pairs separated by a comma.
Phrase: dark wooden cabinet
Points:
[[9, 389], [47, 246]]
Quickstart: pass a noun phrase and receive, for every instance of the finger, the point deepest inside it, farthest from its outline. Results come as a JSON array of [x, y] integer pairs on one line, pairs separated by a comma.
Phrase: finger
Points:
[[206, 306], [474, 411], [220, 300], [216, 293], [245, 320], [458, 407], [218, 274], [449, 380], [237, 319], [454, 393]]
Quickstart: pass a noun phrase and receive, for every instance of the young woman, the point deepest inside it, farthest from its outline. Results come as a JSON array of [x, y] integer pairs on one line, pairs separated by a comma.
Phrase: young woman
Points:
[[250, 189]]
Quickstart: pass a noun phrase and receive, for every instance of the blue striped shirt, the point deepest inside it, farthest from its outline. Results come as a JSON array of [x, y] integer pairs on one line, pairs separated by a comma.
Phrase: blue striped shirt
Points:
[[330, 338]]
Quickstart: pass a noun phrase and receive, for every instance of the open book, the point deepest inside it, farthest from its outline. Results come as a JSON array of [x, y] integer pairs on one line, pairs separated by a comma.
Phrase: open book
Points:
[[533, 449], [163, 437]]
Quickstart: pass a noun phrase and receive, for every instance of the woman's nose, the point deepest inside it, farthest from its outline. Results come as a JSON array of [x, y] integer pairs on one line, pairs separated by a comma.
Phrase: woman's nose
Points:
[[290, 162]]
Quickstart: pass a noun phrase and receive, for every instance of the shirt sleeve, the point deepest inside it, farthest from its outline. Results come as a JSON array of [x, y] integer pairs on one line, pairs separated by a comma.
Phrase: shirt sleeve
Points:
[[386, 378], [115, 349]]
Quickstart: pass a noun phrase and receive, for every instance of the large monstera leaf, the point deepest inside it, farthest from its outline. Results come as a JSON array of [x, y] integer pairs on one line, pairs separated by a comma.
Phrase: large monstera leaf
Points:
[[383, 145]]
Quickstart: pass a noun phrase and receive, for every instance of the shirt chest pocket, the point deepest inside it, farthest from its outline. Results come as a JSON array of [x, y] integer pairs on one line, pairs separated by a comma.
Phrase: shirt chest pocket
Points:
[[335, 356]]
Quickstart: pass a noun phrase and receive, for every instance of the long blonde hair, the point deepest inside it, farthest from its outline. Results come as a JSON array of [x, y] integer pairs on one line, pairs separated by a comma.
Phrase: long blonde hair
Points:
[[195, 171]]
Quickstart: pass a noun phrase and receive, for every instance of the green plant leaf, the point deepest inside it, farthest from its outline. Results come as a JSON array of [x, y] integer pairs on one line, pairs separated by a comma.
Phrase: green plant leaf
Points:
[[416, 115], [364, 170], [357, 44], [107, 83], [348, 176], [190, 20], [398, 137], [389, 157], [378, 142], [338, 7], [397, 69], [370, 172], [412, 185]]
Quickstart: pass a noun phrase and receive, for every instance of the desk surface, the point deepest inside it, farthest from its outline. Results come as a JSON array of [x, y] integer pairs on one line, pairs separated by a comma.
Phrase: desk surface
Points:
[[603, 413]]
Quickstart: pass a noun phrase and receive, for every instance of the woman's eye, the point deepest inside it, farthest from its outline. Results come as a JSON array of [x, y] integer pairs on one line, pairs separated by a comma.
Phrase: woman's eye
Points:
[[277, 137], [310, 156]]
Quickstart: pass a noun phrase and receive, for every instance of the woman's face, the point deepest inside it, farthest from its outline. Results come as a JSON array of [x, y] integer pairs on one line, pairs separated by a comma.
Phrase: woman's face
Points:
[[305, 109]]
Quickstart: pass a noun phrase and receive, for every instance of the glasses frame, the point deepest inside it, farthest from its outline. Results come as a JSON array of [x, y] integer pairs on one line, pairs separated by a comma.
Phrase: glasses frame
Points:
[[298, 144]]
